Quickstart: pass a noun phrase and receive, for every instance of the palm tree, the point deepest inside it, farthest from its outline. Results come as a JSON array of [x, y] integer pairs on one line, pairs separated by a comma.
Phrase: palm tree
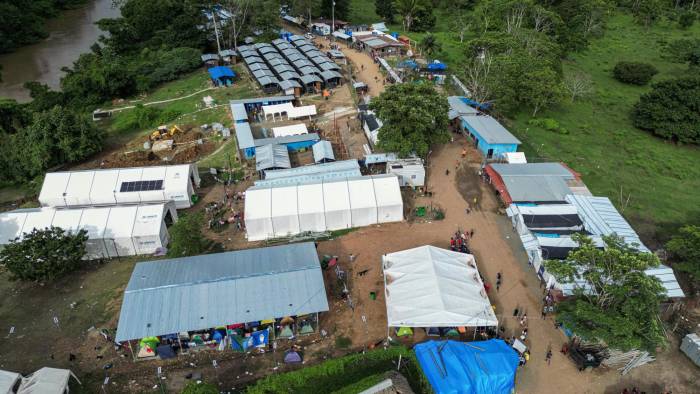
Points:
[[430, 45], [407, 9]]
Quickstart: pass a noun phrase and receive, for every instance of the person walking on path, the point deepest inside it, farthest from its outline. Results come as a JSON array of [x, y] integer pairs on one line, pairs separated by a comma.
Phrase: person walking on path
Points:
[[498, 281], [548, 357]]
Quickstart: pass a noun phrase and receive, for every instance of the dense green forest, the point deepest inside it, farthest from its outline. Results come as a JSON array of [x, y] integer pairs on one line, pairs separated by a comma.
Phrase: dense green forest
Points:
[[23, 22]]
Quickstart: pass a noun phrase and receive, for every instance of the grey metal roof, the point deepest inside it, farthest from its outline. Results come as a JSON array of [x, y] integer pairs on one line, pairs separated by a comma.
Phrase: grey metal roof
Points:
[[458, 107], [530, 169], [344, 165], [244, 135], [263, 73], [281, 68], [287, 75], [262, 45], [329, 74], [320, 60], [289, 84], [245, 48], [271, 156], [267, 49], [272, 55], [268, 81], [263, 100], [258, 66], [490, 130], [300, 63], [227, 52], [291, 51], [277, 61], [209, 56], [330, 66], [253, 60], [309, 79], [294, 57], [542, 188], [200, 292], [238, 112], [323, 150], [288, 139], [306, 48], [314, 53]]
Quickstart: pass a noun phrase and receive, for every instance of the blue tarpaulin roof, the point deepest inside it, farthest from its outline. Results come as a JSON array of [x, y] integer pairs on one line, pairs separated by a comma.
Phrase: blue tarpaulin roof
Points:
[[437, 66], [485, 367], [221, 72]]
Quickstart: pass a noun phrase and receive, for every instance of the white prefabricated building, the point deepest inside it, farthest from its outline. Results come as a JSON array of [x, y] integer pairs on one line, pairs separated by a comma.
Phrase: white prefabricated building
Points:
[[120, 186], [410, 172], [279, 211], [112, 231]]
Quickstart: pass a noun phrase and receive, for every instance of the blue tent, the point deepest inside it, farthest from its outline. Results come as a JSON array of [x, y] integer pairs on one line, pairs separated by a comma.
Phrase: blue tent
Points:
[[485, 367], [221, 75], [437, 66]]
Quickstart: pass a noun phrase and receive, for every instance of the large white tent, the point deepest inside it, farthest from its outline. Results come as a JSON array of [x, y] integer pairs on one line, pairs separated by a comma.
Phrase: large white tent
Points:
[[121, 186], [433, 287], [295, 129], [8, 380], [278, 211], [112, 231], [47, 381]]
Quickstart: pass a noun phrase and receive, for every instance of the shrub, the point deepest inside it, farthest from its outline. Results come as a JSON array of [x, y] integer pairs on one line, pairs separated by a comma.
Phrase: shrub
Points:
[[200, 388], [671, 110], [342, 342], [548, 124], [186, 237], [44, 254], [338, 373], [634, 73], [686, 19]]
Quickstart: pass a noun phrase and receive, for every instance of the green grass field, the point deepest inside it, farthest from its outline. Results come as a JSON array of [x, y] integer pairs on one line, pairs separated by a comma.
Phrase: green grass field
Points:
[[653, 180]]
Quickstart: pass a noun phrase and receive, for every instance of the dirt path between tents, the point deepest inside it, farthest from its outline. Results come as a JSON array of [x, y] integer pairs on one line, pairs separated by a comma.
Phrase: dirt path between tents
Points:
[[497, 249]]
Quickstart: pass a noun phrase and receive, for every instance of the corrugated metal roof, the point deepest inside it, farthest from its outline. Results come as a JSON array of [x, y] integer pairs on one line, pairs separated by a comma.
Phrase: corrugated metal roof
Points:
[[239, 113], [536, 188], [530, 169], [287, 139], [490, 130], [201, 292], [271, 156], [460, 107], [314, 169], [323, 150], [289, 84], [263, 100], [328, 75], [244, 135]]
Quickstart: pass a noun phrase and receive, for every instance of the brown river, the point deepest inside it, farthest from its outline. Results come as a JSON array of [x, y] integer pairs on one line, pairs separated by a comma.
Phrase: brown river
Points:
[[71, 33]]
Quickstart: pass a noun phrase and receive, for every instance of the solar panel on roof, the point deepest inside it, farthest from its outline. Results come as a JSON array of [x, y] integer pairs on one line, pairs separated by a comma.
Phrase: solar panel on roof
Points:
[[141, 186]]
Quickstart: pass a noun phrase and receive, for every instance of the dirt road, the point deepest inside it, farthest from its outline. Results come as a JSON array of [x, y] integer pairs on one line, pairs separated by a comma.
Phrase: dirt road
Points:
[[497, 249]]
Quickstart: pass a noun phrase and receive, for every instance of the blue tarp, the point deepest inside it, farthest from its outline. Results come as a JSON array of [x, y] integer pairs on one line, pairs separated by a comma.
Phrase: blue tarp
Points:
[[485, 367], [477, 105], [221, 74], [437, 66]]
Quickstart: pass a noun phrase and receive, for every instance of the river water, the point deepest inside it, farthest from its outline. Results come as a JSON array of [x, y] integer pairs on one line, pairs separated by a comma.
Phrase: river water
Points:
[[71, 33]]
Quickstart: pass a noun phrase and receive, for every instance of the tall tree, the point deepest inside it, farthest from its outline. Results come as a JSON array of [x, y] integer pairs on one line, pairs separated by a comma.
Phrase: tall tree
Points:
[[308, 8], [430, 45], [186, 236], [671, 110], [342, 9], [407, 9], [619, 303], [43, 255], [414, 117], [385, 9], [684, 248]]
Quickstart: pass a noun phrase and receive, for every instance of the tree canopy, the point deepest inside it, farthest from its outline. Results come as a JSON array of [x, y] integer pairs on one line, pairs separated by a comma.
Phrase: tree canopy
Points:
[[414, 117], [684, 248], [44, 255], [671, 110], [619, 303], [186, 238]]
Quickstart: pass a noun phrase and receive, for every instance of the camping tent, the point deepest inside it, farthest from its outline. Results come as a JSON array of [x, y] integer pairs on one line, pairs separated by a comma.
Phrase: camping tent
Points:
[[47, 381], [484, 367], [118, 186], [273, 211], [432, 287], [7, 381], [112, 231]]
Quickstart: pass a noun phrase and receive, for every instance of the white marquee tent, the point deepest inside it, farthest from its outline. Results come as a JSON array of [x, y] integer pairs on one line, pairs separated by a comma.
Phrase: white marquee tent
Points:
[[295, 129], [121, 186], [433, 287], [8, 380], [278, 211], [276, 110], [47, 381], [302, 112], [112, 231]]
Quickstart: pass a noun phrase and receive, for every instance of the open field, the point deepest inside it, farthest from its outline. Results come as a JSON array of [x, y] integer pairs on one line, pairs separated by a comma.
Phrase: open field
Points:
[[650, 180]]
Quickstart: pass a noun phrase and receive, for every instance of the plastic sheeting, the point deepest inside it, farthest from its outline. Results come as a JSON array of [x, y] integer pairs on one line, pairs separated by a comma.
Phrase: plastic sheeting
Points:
[[433, 287], [295, 129], [484, 367], [278, 211]]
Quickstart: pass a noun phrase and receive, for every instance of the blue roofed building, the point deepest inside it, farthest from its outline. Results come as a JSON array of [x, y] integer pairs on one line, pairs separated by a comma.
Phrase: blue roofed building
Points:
[[490, 137], [221, 75]]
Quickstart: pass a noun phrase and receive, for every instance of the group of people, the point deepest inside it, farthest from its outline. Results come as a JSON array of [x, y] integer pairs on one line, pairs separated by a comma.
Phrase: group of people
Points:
[[458, 242]]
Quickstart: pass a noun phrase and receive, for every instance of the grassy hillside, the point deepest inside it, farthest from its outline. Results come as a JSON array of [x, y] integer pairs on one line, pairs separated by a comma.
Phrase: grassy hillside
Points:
[[651, 180]]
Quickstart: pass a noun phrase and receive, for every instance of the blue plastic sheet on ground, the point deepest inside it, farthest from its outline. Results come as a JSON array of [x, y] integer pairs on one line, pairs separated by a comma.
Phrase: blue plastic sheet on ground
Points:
[[485, 367]]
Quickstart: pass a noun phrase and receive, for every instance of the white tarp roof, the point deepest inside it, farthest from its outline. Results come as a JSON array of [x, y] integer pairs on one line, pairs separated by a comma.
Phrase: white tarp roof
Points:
[[112, 231], [108, 187], [301, 112], [46, 381], [273, 211], [276, 109], [7, 381], [433, 287], [295, 129], [515, 157]]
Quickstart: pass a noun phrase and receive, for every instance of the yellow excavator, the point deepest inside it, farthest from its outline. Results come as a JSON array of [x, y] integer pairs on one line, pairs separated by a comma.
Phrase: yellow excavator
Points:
[[163, 131]]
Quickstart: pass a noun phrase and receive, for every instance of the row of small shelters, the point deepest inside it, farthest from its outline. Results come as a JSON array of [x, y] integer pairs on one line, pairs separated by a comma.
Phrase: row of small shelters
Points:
[[275, 211], [238, 300]]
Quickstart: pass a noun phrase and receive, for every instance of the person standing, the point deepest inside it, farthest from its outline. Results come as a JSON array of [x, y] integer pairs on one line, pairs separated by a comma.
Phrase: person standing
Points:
[[498, 281], [548, 357]]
